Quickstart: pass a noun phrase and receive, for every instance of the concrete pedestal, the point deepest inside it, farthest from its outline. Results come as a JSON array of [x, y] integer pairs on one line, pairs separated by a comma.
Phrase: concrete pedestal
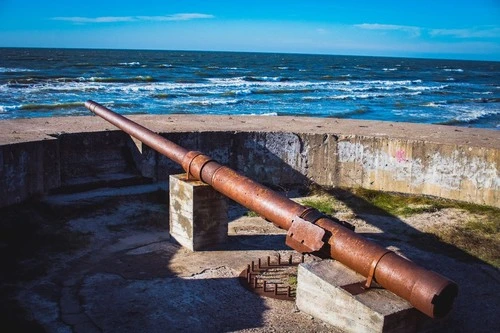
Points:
[[321, 293], [198, 213]]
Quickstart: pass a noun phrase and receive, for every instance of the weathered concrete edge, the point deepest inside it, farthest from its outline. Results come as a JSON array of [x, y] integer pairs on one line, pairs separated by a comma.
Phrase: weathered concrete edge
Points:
[[368, 158], [36, 129]]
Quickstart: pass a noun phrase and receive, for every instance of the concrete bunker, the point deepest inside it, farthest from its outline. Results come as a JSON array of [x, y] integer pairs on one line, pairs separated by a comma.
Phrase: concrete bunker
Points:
[[289, 161]]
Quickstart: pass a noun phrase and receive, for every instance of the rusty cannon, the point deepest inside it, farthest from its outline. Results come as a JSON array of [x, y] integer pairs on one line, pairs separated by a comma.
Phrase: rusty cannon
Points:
[[308, 230]]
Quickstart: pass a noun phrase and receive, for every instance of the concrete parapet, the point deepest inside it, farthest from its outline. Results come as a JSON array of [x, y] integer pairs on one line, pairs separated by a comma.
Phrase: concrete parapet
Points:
[[28, 169], [198, 213], [452, 171], [283, 152], [321, 293]]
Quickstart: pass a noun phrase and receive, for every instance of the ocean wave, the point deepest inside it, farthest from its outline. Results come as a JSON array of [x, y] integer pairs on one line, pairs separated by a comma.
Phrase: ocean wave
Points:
[[389, 69], [432, 105], [355, 96], [459, 70], [133, 63], [281, 91], [487, 100], [237, 92], [84, 65], [237, 82], [423, 88], [469, 113], [15, 70], [329, 77], [267, 79], [265, 114], [34, 107], [348, 114], [211, 102], [168, 96], [139, 78], [388, 82], [312, 98], [390, 94]]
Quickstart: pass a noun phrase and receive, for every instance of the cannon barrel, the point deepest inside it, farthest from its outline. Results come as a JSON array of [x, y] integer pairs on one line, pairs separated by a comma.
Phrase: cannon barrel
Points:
[[309, 231]]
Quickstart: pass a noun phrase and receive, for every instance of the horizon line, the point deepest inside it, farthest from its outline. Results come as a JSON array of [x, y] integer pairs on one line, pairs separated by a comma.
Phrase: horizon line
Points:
[[258, 52]]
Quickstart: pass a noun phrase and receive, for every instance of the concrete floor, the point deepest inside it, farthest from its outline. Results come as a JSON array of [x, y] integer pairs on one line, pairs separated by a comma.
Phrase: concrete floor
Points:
[[118, 270]]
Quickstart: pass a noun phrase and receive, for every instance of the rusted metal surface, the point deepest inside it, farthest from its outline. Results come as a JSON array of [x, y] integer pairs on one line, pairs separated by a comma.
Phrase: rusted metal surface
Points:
[[304, 236], [272, 278], [426, 290]]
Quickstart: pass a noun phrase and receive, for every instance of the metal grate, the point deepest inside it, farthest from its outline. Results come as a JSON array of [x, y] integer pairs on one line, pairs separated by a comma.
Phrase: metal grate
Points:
[[276, 279]]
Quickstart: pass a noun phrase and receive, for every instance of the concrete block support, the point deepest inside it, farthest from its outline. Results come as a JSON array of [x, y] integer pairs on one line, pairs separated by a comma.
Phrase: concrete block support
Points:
[[320, 293], [198, 213]]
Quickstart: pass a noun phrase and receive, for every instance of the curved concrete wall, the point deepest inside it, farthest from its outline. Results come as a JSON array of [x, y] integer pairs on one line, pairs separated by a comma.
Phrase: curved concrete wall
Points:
[[284, 153]]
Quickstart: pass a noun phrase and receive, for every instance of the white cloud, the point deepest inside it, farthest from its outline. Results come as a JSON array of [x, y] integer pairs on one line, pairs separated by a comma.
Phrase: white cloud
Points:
[[478, 32], [112, 19], [413, 31], [176, 17], [103, 19]]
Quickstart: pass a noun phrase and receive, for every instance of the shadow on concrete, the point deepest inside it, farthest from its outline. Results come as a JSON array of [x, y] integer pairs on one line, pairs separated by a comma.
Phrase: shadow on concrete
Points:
[[133, 291], [107, 268]]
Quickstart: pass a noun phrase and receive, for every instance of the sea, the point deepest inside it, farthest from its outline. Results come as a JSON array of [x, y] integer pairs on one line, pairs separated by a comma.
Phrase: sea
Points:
[[57, 82]]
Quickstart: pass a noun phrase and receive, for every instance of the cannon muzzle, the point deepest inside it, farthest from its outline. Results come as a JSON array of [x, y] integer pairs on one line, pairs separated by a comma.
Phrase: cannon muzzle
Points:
[[309, 231]]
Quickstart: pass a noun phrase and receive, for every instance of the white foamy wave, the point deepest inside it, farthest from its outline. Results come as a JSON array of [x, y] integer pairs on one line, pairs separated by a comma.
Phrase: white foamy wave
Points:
[[466, 113], [14, 70], [5, 108], [165, 66], [133, 63], [236, 83], [420, 88], [209, 102], [311, 98], [432, 105], [459, 70], [362, 88], [266, 114], [389, 69], [356, 96], [388, 82]]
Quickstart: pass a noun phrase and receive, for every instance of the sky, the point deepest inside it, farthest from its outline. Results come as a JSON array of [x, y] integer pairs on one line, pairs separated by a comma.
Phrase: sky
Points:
[[448, 29]]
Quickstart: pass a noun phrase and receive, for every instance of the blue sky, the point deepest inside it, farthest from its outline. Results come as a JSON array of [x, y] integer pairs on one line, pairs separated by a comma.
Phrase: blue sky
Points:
[[452, 29]]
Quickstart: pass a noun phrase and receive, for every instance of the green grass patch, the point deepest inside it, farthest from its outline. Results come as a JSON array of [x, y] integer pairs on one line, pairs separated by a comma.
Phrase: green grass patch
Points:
[[325, 204], [407, 205], [252, 214]]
